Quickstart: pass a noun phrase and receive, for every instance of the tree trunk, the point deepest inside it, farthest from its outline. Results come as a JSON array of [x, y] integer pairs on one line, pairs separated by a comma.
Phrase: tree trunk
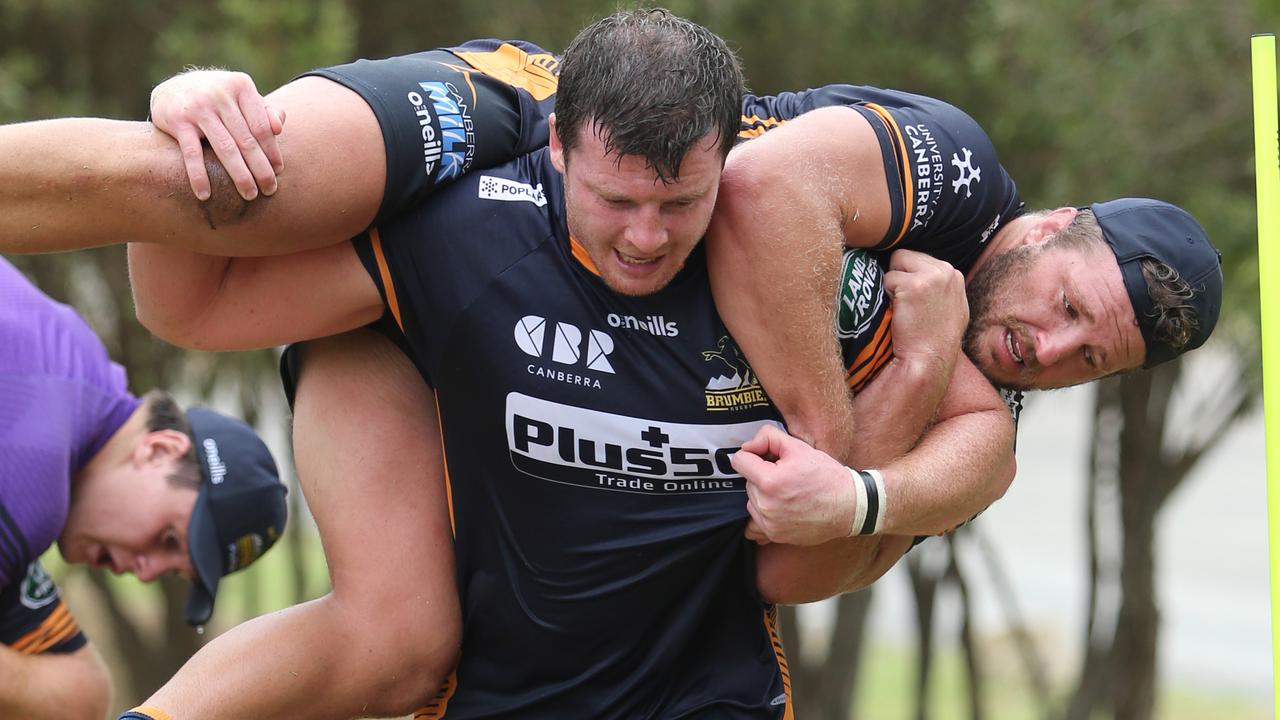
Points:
[[924, 586]]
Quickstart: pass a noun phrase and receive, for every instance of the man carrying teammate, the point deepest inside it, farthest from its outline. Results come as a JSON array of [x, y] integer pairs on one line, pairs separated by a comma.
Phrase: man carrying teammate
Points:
[[627, 263]]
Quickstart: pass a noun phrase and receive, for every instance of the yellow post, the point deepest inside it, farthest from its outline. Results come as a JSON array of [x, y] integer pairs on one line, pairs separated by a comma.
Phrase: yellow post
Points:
[[1267, 152]]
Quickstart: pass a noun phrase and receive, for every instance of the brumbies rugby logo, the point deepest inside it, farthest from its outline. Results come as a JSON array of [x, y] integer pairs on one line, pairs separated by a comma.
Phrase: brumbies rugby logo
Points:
[[249, 547], [38, 589], [734, 387], [861, 293]]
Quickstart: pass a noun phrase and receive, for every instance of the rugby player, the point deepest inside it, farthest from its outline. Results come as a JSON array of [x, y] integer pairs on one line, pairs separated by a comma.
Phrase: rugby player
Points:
[[119, 482]]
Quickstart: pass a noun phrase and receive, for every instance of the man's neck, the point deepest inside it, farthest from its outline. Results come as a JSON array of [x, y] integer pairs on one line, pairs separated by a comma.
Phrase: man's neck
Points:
[[1008, 237], [119, 446]]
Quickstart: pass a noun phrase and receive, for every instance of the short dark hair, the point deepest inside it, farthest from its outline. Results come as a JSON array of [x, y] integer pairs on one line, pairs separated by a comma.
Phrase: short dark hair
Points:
[[1175, 317], [651, 84], [164, 413]]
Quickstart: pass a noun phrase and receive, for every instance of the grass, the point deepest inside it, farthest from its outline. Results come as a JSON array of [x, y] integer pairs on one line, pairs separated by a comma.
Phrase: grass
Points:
[[886, 690]]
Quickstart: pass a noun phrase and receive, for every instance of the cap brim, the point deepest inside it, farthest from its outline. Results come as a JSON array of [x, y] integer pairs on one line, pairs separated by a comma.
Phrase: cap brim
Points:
[[206, 560]]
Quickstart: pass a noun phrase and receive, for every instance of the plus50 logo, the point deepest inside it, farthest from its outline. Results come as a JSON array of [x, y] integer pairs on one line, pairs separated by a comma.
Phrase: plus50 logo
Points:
[[569, 345]]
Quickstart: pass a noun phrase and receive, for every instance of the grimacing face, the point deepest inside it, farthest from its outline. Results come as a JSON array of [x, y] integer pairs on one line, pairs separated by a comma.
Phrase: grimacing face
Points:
[[131, 519], [637, 230], [1049, 315]]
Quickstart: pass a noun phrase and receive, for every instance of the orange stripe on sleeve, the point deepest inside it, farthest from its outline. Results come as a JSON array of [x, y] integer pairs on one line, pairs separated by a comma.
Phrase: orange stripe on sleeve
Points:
[[771, 625], [153, 712], [874, 356], [448, 482], [758, 126], [904, 169], [438, 705], [59, 633], [28, 644], [384, 271]]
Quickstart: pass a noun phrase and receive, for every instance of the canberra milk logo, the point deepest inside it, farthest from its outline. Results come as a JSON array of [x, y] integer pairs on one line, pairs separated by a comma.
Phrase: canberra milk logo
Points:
[[496, 188], [38, 589], [217, 469], [734, 387], [457, 131], [861, 293]]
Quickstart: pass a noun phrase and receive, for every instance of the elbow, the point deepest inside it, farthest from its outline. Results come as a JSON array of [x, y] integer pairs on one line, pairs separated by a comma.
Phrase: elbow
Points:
[[401, 663]]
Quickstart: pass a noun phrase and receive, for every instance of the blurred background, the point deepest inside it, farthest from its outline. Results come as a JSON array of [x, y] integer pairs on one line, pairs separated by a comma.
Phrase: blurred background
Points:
[[1125, 573]]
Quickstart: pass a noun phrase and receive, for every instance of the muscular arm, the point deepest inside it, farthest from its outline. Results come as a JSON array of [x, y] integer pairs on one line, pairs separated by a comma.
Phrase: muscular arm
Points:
[[83, 182], [774, 249], [53, 686], [215, 303], [963, 463], [775, 252], [381, 642]]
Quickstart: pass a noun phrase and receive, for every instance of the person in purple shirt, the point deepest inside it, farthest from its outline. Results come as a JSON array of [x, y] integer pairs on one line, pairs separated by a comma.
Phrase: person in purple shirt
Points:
[[119, 482]]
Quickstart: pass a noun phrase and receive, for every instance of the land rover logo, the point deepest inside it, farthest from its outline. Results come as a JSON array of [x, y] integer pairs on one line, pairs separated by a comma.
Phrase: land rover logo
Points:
[[38, 589], [861, 293]]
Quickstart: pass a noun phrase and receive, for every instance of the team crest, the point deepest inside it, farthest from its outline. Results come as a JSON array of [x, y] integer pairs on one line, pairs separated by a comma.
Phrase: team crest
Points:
[[38, 589], [734, 385], [861, 293]]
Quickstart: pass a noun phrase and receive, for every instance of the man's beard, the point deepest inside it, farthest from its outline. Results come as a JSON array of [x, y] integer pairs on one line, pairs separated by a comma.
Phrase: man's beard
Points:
[[987, 285]]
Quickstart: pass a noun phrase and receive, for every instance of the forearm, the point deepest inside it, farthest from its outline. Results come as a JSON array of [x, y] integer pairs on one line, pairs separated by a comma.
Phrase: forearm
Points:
[[960, 467], [791, 574], [53, 686], [893, 412], [83, 182], [320, 661]]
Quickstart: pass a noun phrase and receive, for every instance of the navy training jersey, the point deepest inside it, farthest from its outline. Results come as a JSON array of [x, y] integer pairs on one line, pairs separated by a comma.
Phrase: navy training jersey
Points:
[[598, 523], [444, 112], [948, 191]]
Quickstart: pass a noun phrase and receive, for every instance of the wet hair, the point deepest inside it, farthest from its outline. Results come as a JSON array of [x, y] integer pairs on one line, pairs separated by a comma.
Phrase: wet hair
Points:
[[1175, 318], [651, 84], [164, 413]]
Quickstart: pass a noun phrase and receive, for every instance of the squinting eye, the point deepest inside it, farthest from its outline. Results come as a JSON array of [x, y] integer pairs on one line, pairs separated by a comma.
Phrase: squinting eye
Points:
[[1066, 304], [170, 540]]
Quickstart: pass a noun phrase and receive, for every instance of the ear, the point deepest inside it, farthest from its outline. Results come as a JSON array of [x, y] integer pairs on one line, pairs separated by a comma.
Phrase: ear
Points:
[[161, 446], [557, 148], [1049, 224]]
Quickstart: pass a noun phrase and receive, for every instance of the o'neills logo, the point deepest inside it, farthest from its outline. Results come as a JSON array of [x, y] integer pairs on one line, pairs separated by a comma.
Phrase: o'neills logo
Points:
[[432, 149], [652, 324], [217, 470], [735, 386]]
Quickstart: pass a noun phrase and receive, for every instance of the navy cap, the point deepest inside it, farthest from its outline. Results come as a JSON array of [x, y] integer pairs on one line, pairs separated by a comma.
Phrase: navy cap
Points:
[[1140, 227], [240, 510]]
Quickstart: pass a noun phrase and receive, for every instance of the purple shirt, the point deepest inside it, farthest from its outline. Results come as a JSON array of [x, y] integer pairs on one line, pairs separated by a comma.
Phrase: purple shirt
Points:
[[61, 399]]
